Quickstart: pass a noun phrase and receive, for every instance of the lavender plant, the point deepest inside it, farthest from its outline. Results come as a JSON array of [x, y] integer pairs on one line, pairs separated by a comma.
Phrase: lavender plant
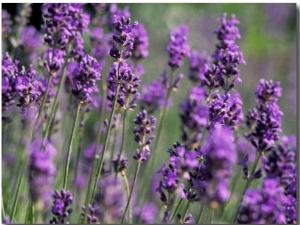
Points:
[[70, 137]]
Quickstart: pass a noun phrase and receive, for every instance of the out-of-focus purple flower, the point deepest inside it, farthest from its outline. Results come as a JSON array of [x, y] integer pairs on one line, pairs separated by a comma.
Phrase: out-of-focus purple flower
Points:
[[267, 92], [117, 13], [141, 43], [153, 95], [122, 165], [64, 24], [145, 126], [6, 24], [197, 62], [178, 47], [264, 204], [9, 76], [41, 173], [226, 110], [62, 200], [220, 157], [54, 59], [85, 77], [92, 215], [194, 114], [111, 199], [99, 43], [147, 214]]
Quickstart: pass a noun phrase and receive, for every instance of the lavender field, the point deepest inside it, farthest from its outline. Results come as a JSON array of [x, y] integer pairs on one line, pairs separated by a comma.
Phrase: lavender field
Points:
[[149, 113]]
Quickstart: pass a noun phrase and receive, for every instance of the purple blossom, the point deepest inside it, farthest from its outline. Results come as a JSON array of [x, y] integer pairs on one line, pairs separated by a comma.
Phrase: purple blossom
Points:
[[54, 59], [178, 47], [85, 77], [220, 157], [264, 204], [99, 43], [197, 66], [92, 215], [6, 24], [41, 173], [141, 42], [267, 92], [111, 199], [194, 114], [122, 166], [145, 126], [117, 13], [147, 214], [62, 200]]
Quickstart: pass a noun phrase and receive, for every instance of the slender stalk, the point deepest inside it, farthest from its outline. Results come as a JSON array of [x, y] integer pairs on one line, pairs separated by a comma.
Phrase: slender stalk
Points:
[[3, 210], [78, 150], [123, 141], [70, 146], [212, 215], [186, 209], [42, 105], [177, 208], [90, 195], [113, 149], [127, 188], [201, 213], [249, 181], [131, 191], [55, 102]]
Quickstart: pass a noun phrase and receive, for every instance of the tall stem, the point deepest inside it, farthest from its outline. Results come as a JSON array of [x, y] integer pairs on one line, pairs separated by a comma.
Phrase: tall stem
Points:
[[177, 208], [127, 189], [113, 149], [131, 191], [20, 183], [249, 181], [186, 209], [55, 102], [71, 146], [78, 151], [123, 141], [201, 213], [42, 105]]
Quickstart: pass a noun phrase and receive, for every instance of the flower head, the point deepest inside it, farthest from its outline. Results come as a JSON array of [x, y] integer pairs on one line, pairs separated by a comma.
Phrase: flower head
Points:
[[62, 200]]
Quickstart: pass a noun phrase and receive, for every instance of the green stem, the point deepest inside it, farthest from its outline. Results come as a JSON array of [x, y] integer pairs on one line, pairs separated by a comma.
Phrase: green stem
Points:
[[212, 215], [201, 213], [55, 102], [127, 189], [89, 195], [78, 150], [70, 146], [42, 105], [123, 141], [113, 149], [186, 209], [131, 191], [249, 181], [3, 211], [177, 208]]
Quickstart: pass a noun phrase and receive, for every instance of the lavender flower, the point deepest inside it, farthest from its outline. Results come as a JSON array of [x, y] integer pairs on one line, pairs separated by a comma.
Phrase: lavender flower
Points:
[[54, 59], [145, 126], [197, 62], [6, 24], [99, 43], [194, 114], [178, 47], [264, 204], [220, 156], [141, 43], [41, 173], [122, 166], [93, 213], [85, 77], [147, 214], [110, 198], [62, 199], [117, 13]]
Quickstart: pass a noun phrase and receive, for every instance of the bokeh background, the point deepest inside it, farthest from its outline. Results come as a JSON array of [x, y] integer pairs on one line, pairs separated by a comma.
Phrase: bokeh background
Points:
[[268, 42]]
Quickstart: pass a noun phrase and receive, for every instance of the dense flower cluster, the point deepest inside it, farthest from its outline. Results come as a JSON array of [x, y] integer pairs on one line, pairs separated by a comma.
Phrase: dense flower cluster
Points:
[[264, 204], [141, 42], [197, 66], [62, 200], [6, 23], [85, 77], [99, 44], [178, 47]]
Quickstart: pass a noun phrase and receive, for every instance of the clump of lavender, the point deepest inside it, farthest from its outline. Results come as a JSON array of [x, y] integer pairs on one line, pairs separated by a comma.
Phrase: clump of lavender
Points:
[[62, 200], [6, 24], [54, 59], [99, 43], [145, 126], [264, 204], [220, 156], [265, 119], [93, 214], [198, 60], [146, 214], [194, 114], [178, 47], [41, 174], [85, 77], [110, 198]]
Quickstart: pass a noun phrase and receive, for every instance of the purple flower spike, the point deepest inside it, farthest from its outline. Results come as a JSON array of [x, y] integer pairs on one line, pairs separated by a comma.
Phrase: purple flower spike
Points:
[[6, 23], [62, 199], [147, 214], [141, 43], [41, 173], [54, 59], [264, 205], [268, 92], [145, 126], [85, 77], [178, 46], [197, 62]]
